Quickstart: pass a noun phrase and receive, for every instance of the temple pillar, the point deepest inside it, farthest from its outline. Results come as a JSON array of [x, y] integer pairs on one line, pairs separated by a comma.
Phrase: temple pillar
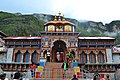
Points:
[[88, 61], [30, 58], [96, 58], [21, 58], [104, 59], [41, 55]]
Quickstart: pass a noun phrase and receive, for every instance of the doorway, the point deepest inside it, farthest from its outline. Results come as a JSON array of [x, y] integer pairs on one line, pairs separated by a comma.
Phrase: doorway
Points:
[[59, 51]]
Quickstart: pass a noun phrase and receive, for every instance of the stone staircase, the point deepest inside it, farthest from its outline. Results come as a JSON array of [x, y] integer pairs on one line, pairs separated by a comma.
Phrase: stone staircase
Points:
[[52, 65], [54, 71]]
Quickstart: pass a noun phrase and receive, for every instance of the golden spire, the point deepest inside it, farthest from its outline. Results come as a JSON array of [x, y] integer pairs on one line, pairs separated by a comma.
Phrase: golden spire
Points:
[[59, 16], [63, 17], [55, 18]]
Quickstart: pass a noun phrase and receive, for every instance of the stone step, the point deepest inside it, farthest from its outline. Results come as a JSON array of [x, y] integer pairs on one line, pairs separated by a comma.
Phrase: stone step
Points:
[[52, 69], [53, 65]]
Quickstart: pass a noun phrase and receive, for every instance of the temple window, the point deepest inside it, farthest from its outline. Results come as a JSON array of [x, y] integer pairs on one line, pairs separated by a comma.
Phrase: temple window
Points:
[[92, 57], [11, 42], [83, 57], [34, 42], [59, 28], [51, 28], [100, 42], [34, 57], [107, 42], [18, 56], [84, 42], [18, 42], [26, 42], [26, 56], [92, 42], [100, 57], [68, 28]]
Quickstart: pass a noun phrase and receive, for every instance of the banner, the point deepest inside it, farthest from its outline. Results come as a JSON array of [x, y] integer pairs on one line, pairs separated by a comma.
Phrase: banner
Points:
[[40, 68], [76, 69], [37, 74], [109, 55], [9, 55]]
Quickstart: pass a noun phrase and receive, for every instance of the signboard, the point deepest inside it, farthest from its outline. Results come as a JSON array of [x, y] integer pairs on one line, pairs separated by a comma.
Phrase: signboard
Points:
[[9, 55], [76, 69], [37, 74], [109, 55], [40, 68]]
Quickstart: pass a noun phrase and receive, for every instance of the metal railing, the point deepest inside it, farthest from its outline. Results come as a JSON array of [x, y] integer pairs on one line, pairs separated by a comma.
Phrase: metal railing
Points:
[[52, 74]]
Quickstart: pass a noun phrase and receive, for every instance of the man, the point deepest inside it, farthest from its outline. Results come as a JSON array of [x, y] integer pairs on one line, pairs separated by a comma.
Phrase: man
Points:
[[65, 66], [17, 75], [58, 57], [48, 56], [74, 77]]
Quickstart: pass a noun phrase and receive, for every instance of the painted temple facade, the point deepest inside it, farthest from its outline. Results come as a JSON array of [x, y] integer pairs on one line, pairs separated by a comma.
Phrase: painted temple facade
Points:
[[59, 37], [3, 48]]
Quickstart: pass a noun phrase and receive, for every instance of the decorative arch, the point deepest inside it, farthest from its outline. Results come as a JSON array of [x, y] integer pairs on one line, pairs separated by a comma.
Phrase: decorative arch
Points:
[[100, 57], [59, 49], [26, 56], [34, 57], [59, 40], [83, 57], [92, 57], [18, 56]]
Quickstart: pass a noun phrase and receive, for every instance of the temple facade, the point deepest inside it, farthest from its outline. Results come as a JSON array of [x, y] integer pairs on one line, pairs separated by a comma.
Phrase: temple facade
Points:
[[3, 49], [60, 38]]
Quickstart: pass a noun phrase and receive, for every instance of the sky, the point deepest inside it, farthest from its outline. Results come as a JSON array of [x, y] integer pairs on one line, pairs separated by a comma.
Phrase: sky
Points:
[[96, 10]]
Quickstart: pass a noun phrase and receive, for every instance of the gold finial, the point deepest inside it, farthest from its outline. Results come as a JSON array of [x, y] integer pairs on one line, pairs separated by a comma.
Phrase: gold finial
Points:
[[63, 17], [55, 18], [59, 18], [59, 14]]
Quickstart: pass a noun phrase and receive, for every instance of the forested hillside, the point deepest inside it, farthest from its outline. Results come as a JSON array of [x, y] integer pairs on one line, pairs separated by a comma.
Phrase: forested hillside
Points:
[[20, 25], [17, 24]]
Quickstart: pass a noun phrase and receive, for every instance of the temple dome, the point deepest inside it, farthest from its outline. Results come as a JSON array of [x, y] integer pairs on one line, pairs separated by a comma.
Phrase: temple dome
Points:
[[59, 19], [59, 24]]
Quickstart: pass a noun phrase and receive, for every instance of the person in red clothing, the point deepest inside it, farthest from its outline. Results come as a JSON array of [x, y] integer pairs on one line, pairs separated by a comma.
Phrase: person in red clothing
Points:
[[32, 67]]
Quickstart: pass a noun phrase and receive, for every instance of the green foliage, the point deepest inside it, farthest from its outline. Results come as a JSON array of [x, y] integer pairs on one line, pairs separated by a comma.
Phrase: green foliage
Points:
[[4, 15], [20, 25], [117, 39]]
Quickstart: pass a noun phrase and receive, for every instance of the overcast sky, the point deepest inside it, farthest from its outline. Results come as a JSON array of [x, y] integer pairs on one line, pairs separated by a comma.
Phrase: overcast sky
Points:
[[95, 10]]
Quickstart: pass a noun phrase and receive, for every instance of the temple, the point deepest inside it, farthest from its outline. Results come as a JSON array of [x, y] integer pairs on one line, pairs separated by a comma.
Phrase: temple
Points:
[[60, 38]]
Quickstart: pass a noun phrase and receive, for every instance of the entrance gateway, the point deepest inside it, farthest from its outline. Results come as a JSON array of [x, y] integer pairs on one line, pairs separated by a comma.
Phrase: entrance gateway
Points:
[[59, 51], [59, 38]]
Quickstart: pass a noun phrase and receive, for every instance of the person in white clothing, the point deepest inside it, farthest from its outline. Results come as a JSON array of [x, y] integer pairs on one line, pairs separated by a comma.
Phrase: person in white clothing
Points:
[[58, 57]]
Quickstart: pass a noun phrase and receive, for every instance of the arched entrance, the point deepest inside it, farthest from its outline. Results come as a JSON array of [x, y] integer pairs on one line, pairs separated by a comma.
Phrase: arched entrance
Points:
[[59, 51]]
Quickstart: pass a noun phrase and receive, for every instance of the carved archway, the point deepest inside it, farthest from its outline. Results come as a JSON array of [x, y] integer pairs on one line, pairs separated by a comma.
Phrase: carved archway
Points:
[[58, 51]]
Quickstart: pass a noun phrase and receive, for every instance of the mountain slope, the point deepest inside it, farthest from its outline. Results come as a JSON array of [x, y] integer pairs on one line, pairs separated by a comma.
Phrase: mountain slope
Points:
[[24, 25], [20, 25]]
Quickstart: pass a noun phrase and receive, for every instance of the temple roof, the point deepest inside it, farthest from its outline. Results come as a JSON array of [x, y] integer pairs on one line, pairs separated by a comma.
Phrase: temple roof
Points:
[[2, 34], [59, 19], [28, 37], [96, 38], [59, 22]]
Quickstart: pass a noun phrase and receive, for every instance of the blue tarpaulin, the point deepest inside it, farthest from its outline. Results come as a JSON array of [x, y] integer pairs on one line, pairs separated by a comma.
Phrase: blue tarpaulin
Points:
[[74, 64], [42, 64]]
